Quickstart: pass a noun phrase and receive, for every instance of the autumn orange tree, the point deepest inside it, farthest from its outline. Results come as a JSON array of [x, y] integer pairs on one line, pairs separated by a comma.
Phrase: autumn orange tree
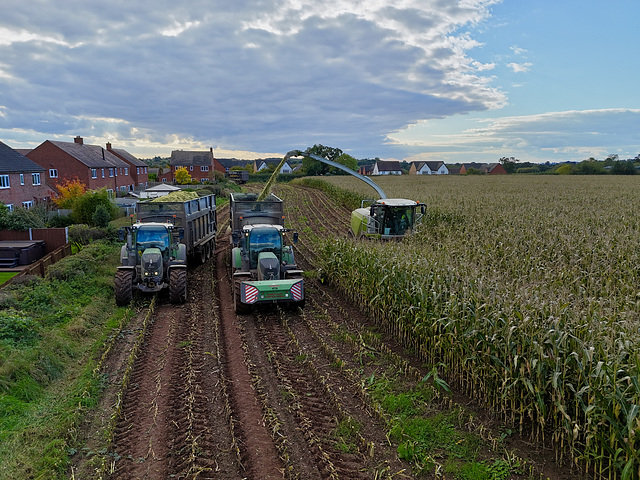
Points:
[[68, 192]]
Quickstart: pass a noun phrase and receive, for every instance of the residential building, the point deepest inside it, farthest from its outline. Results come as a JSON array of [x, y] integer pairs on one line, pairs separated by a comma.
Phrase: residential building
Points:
[[137, 168], [387, 167], [200, 165], [428, 168], [21, 180], [483, 168], [365, 169], [264, 163], [93, 165]]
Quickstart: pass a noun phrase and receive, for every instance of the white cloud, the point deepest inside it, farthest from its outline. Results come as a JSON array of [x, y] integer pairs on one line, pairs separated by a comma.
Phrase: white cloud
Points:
[[520, 67]]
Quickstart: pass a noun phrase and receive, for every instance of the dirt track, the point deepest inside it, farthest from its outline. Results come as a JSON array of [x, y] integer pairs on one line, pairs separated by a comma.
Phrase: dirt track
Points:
[[274, 394]]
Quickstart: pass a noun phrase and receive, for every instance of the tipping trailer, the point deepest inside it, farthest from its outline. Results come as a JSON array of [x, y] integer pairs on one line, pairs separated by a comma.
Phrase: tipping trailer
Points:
[[263, 264], [166, 235]]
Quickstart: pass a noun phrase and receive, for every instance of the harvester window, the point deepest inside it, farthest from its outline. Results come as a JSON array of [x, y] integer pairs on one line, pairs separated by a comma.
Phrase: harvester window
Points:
[[398, 220]]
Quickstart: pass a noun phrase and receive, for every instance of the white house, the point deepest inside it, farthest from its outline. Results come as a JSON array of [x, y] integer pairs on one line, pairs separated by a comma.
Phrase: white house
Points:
[[387, 168], [428, 168]]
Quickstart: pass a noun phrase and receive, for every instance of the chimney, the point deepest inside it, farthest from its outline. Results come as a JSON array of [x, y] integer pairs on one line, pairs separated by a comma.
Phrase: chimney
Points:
[[109, 146], [78, 140]]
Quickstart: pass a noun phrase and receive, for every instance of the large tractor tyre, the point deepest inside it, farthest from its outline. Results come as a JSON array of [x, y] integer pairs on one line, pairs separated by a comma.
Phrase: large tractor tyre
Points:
[[123, 284], [178, 285], [240, 308]]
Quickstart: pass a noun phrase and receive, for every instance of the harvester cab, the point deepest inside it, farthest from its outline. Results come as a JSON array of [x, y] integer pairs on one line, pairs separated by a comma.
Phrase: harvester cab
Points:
[[386, 219]]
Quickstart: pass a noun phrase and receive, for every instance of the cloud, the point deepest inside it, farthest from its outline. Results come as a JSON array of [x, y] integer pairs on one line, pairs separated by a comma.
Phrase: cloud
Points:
[[520, 67], [554, 136], [245, 75]]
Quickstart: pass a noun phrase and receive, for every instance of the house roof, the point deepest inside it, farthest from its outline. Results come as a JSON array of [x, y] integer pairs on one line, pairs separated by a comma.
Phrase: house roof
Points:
[[128, 157], [163, 187], [12, 161], [184, 157], [93, 156], [388, 165]]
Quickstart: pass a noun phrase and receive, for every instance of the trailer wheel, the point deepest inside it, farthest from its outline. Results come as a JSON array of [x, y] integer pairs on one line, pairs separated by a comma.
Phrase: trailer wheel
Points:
[[123, 284], [239, 307], [203, 254], [178, 285]]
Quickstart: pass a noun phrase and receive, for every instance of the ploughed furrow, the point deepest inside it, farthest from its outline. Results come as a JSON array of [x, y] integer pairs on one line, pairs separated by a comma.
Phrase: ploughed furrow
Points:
[[174, 421], [317, 415]]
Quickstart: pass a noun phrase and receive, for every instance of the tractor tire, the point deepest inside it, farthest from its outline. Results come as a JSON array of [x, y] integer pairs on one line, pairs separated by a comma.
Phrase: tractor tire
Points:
[[178, 285], [123, 285], [240, 308]]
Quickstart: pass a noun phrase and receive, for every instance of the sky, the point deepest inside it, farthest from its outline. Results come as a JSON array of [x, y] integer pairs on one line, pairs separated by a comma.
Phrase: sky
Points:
[[456, 81]]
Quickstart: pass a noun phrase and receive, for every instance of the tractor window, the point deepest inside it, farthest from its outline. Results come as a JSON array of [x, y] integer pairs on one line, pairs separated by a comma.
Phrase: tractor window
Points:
[[153, 236], [398, 220], [264, 240]]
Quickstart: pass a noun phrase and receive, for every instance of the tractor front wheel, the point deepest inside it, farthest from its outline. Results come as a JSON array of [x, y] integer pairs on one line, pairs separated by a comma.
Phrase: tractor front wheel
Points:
[[178, 285], [123, 284], [240, 308]]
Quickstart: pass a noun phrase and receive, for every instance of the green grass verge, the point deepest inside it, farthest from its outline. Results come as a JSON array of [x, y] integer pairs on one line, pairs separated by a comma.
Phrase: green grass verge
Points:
[[52, 333], [4, 276]]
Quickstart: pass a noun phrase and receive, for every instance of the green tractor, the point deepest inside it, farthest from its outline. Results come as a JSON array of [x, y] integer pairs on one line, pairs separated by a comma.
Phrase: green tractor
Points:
[[264, 269], [152, 258], [386, 219]]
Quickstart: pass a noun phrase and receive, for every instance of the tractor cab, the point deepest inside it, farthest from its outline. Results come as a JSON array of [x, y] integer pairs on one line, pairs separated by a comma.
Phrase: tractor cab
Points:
[[263, 250]]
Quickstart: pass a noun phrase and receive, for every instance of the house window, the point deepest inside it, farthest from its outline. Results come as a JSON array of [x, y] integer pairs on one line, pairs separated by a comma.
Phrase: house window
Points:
[[94, 173], [35, 178], [22, 179], [111, 172], [4, 181], [110, 192], [10, 206], [191, 168], [116, 169], [145, 169], [123, 188], [137, 170], [126, 170], [53, 173], [27, 205], [204, 168], [103, 173]]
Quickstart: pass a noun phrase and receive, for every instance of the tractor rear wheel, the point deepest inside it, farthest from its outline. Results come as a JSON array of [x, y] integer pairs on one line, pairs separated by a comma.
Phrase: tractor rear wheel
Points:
[[123, 284], [178, 285]]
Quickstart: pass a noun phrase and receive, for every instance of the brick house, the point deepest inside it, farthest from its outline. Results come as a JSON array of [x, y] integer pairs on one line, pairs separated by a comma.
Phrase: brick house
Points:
[[21, 180], [200, 165], [138, 170], [93, 165], [428, 168], [484, 168], [387, 167]]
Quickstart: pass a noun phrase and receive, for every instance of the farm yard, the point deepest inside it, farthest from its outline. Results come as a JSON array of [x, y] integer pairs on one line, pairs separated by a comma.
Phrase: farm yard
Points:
[[496, 342]]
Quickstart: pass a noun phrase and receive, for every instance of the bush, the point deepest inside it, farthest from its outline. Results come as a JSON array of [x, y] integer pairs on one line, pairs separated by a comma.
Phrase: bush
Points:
[[101, 217], [82, 234], [16, 328], [60, 221], [85, 206]]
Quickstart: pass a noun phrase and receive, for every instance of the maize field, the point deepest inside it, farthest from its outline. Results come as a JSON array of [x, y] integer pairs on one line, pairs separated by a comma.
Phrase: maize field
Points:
[[528, 289]]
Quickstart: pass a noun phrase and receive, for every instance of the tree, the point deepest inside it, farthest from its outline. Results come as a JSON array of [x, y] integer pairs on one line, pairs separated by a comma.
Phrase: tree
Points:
[[68, 192], [346, 160], [314, 167], [623, 167], [86, 205], [509, 163], [182, 176]]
